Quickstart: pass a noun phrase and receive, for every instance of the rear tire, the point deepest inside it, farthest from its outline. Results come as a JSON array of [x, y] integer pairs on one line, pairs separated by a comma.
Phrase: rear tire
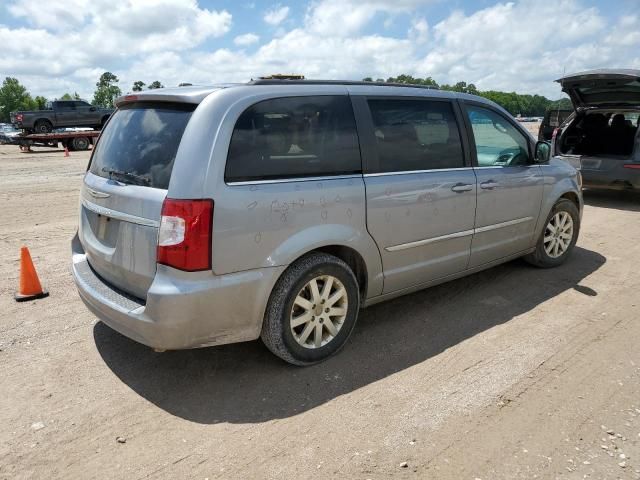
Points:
[[312, 310], [80, 143], [43, 126], [559, 236]]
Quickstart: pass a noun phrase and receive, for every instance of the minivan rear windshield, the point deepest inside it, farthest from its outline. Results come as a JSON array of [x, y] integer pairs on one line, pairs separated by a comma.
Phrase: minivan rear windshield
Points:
[[139, 144]]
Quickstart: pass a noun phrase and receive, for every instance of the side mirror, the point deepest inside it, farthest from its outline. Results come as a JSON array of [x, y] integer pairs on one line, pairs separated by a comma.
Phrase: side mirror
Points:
[[542, 152], [92, 109]]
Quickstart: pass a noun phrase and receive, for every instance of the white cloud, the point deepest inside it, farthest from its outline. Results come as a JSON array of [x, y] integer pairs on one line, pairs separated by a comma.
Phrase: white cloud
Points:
[[347, 17], [106, 34], [519, 46], [626, 32], [53, 16], [246, 39], [419, 31], [508, 47], [276, 15]]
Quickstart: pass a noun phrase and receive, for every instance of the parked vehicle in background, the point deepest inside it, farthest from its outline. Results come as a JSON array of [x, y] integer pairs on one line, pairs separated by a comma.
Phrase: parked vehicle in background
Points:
[[552, 119], [61, 113], [73, 140], [276, 209], [603, 138], [8, 134]]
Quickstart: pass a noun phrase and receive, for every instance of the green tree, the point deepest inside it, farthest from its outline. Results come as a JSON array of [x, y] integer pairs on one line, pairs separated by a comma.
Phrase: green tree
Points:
[[107, 90], [138, 86], [155, 84], [514, 103], [41, 102], [68, 96], [428, 81], [14, 96]]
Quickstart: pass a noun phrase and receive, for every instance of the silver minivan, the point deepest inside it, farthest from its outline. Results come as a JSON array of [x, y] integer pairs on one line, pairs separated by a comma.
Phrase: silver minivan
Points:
[[278, 208]]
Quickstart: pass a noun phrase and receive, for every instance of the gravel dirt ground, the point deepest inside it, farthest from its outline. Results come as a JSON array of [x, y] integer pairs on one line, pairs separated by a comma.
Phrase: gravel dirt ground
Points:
[[511, 373]]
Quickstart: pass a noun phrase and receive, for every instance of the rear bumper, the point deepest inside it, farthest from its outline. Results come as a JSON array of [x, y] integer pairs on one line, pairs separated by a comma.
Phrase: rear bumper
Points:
[[616, 179], [182, 310]]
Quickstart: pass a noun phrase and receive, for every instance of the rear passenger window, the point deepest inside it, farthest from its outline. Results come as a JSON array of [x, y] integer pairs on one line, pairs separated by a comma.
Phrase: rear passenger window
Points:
[[294, 137], [415, 135]]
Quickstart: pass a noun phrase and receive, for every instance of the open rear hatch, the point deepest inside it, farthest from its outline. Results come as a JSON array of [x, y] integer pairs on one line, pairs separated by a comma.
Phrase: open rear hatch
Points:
[[123, 191], [603, 88]]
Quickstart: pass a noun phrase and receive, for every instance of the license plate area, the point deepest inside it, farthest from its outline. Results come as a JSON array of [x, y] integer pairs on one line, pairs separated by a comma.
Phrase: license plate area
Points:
[[105, 229]]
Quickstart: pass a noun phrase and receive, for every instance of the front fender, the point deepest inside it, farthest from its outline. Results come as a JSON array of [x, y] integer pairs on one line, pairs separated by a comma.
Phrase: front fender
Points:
[[560, 179]]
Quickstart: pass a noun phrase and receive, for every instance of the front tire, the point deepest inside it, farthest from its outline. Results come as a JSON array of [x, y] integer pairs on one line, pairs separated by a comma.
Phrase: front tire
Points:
[[312, 310], [559, 236], [80, 143]]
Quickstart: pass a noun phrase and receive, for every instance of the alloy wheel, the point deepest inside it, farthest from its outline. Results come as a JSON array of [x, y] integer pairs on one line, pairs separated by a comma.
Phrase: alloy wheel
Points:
[[319, 311], [558, 234]]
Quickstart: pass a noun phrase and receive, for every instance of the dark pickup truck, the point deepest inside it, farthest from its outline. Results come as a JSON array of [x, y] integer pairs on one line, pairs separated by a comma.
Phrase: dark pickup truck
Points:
[[61, 113]]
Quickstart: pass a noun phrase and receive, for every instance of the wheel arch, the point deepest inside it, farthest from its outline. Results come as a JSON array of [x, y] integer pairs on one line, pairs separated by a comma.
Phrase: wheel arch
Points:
[[355, 261], [573, 196], [354, 247], [560, 191]]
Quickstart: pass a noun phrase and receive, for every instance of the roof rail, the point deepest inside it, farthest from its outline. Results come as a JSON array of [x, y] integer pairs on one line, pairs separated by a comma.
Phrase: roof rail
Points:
[[337, 82]]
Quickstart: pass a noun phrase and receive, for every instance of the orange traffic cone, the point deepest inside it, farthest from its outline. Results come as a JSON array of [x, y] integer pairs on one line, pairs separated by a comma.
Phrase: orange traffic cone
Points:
[[66, 151], [30, 287]]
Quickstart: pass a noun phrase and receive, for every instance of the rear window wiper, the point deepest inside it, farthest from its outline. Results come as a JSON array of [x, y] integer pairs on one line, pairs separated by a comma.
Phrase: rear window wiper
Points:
[[138, 179]]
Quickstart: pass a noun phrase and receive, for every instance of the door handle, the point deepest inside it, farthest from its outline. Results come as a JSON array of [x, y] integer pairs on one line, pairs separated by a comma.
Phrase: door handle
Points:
[[488, 185], [462, 187]]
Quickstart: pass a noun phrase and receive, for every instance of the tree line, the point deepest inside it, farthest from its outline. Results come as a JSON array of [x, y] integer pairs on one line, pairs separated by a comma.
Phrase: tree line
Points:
[[514, 103], [15, 96]]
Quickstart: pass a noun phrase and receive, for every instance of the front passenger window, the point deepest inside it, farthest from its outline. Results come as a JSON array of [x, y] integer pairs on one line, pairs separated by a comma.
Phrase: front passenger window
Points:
[[498, 143]]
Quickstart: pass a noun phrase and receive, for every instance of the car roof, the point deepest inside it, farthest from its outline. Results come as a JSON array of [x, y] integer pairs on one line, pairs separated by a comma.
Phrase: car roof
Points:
[[196, 94]]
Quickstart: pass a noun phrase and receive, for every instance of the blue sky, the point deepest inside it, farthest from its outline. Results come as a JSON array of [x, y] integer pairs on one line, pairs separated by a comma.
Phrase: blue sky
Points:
[[517, 46]]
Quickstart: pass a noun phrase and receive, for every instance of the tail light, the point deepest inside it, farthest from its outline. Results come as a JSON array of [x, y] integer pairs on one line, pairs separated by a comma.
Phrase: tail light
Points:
[[184, 238], [19, 117], [635, 166]]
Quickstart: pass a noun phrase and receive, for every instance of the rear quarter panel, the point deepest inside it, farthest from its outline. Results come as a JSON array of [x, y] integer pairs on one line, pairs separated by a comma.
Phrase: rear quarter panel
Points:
[[258, 225]]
